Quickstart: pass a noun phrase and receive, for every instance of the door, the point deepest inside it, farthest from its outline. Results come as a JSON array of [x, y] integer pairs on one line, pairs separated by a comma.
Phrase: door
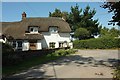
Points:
[[33, 45]]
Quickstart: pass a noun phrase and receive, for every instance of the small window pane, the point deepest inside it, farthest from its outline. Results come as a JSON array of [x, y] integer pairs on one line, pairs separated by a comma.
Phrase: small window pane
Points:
[[14, 44], [31, 29], [52, 44], [19, 43], [35, 30]]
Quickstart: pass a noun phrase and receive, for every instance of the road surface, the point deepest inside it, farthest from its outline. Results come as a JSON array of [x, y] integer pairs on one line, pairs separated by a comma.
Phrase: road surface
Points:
[[83, 64]]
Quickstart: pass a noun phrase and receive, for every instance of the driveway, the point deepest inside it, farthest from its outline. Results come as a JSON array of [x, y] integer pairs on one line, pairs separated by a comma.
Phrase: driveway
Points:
[[83, 64]]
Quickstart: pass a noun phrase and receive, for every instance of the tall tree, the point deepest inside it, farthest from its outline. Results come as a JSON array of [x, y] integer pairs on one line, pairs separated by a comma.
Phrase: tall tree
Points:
[[78, 18], [74, 17], [57, 13], [115, 8]]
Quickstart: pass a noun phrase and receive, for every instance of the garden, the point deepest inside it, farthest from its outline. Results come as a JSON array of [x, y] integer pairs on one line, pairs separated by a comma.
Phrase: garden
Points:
[[14, 62]]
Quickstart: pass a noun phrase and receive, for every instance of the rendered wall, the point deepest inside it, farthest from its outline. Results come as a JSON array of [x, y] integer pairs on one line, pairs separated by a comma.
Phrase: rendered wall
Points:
[[54, 37], [25, 45], [39, 45]]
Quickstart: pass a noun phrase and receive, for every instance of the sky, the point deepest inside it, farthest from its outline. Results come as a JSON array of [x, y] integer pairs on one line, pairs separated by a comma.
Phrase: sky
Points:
[[11, 11]]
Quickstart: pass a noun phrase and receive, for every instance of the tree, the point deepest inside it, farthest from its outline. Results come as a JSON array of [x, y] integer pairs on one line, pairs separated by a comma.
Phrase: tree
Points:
[[81, 33], [115, 8], [78, 18], [57, 13], [114, 32], [105, 32], [84, 20]]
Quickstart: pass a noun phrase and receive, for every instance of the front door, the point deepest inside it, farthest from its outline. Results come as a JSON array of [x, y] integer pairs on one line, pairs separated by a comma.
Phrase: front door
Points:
[[33, 45]]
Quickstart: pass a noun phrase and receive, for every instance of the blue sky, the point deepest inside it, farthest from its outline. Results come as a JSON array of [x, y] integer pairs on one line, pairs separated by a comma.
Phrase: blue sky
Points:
[[11, 11]]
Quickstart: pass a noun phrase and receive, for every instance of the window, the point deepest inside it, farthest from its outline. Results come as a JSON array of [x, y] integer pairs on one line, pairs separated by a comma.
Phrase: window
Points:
[[53, 29], [14, 44], [52, 44], [33, 29], [61, 44], [19, 43]]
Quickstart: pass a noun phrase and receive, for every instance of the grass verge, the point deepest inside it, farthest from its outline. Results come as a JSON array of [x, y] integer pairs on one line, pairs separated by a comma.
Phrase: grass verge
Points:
[[26, 64], [34, 61]]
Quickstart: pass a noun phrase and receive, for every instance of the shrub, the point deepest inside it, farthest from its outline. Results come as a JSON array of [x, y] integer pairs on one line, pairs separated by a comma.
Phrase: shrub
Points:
[[117, 73], [70, 51], [63, 52], [99, 43], [8, 55]]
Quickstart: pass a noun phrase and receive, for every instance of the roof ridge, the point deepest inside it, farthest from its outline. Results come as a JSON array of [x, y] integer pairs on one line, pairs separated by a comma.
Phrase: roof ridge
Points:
[[44, 17]]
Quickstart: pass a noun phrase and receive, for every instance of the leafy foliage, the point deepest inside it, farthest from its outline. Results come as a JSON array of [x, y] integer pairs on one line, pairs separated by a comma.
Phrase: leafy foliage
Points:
[[8, 55], [78, 18], [117, 73], [57, 13], [99, 43], [81, 33], [115, 8], [105, 32], [6, 48], [63, 52]]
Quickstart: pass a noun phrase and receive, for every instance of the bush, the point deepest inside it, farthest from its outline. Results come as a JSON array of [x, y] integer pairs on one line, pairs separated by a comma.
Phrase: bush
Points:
[[99, 43], [117, 73], [6, 48], [63, 52], [8, 55]]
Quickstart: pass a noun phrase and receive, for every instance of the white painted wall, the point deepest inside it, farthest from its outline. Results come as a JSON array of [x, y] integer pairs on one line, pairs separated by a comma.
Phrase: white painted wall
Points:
[[25, 45], [71, 45], [39, 45], [48, 37], [54, 37], [3, 41]]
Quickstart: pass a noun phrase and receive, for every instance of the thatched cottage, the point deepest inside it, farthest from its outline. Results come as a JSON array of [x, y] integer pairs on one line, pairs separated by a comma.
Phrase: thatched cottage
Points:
[[37, 33]]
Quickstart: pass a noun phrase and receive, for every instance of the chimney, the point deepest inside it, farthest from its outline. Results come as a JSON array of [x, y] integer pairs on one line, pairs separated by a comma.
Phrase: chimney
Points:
[[23, 15]]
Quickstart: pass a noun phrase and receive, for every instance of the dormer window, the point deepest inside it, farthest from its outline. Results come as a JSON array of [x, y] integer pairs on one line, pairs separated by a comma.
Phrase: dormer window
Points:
[[33, 29], [53, 29]]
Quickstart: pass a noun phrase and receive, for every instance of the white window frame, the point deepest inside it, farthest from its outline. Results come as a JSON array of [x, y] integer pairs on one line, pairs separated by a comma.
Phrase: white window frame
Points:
[[53, 29], [35, 29]]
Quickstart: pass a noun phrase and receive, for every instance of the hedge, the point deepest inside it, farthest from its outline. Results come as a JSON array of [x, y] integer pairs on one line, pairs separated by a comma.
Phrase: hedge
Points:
[[98, 43], [11, 57]]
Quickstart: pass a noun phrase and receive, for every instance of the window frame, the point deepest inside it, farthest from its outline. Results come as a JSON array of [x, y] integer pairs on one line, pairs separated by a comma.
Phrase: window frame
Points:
[[61, 44], [53, 29], [18, 45], [52, 44], [14, 44], [34, 29]]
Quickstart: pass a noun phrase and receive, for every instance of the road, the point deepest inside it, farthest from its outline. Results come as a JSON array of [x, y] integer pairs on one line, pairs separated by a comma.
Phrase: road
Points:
[[83, 64]]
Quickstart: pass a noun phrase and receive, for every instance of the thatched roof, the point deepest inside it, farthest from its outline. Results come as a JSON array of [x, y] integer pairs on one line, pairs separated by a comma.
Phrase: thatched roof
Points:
[[17, 29]]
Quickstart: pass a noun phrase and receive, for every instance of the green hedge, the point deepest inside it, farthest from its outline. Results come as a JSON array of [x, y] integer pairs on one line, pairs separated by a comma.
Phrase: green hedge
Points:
[[99, 43], [8, 55], [63, 52]]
